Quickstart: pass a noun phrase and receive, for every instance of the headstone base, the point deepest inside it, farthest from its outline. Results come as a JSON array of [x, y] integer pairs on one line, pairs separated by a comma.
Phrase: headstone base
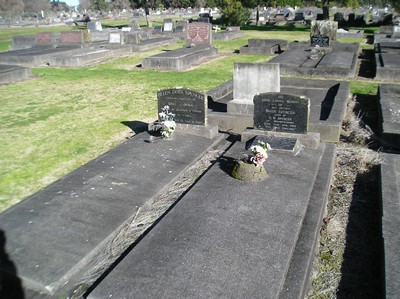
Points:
[[207, 131]]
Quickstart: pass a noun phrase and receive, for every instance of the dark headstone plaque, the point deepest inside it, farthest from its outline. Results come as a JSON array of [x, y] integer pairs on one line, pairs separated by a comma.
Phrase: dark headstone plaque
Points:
[[276, 142], [198, 33], [319, 40], [281, 112], [189, 107]]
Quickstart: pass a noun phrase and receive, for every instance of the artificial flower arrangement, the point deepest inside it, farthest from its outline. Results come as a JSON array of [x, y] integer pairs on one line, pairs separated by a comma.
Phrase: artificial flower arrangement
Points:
[[259, 153], [167, 122], [252, 168]]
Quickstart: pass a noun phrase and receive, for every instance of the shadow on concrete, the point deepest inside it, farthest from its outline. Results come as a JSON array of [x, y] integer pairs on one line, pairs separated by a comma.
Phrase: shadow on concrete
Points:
[[136, 126], [367, 64], [362, 267], [10, 284], [327, 103]]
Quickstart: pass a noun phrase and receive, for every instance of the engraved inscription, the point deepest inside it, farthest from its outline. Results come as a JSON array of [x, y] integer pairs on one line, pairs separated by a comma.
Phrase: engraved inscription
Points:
[[188, 106], [281, 112]]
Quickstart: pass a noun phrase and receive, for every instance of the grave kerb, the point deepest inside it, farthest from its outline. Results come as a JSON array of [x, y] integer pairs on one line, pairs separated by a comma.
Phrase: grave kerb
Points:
[[250, 79], [190, 109]]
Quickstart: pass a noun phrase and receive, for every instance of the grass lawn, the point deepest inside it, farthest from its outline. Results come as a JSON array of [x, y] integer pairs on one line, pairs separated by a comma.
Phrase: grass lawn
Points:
[[63, 118]]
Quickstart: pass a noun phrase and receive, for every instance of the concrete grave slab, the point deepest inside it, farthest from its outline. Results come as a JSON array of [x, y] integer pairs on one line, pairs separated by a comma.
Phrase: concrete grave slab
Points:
[[53, 235], [390, 178], [388, 65], [13, 73], [264, 46], [337, 61], [245, 240], [390, 112], [179, 59]]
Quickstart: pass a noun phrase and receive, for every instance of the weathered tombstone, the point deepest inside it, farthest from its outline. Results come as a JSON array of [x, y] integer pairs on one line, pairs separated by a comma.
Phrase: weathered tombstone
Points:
[[45, 39], [323, 32], [250, 79], [71, 38], [298, 17], [134, 25], [94, 26], [198, 34], [189, 106], [168, 25], [281, 112], [190, 109], [115, 38], [22, 42], [396, 32]]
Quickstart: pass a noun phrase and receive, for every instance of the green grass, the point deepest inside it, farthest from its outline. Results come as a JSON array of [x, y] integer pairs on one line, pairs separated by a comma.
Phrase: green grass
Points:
[[63, 118]]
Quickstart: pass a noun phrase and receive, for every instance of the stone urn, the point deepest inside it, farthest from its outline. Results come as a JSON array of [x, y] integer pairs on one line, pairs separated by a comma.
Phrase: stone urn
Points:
[[247, 171]]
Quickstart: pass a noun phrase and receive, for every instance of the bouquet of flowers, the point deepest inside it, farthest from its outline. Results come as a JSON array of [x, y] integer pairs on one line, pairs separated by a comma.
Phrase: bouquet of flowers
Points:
[[260, 153], [167, 122]]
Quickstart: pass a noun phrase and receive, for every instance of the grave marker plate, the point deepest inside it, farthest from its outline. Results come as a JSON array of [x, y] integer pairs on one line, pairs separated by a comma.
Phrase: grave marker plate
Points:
[[168, 25], [281, 112], [115, 38], [189, 107], [320, 40], [198, 33], [44, 38], [72, 37]]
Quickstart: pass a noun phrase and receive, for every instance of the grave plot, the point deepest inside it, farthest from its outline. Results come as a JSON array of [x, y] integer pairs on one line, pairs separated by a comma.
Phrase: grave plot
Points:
[[56, 236], [336, 61], [323, 56], [387, 58], [234, 238], [264, 46], [46, 46], [13, 73], [198, 48], [390, 112], [230, 33], [233, 101]]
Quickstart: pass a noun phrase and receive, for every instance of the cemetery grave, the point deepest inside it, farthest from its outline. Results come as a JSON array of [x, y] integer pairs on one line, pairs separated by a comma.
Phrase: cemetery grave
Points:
[[390, 113], [264, 46], [223, 237], [13, 73], [328, 100], [232, 32], [198, 48], [387, 54], [323, 56], [70, 49]]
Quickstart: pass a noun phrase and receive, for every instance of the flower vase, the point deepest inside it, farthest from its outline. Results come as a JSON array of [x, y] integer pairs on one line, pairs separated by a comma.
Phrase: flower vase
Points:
[[247, 171]]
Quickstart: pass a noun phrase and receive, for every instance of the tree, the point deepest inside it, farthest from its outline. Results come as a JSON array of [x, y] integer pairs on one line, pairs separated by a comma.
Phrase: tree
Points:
[[11, 8], [233, 13]]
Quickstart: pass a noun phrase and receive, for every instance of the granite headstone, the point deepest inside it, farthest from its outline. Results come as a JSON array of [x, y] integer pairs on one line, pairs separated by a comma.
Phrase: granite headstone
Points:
[[189, 106], [281, 112], [198, 33]]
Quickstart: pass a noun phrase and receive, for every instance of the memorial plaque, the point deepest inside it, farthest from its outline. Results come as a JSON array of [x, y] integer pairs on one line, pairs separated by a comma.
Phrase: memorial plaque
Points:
[[189, 107], [115, 38], [281, 112], [198, 33], [320, 40], [73, 37], [168, 25], [276, 142], [44, 38]]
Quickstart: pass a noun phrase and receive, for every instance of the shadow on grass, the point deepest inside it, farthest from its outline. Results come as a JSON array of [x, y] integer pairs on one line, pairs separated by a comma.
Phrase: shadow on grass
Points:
[[362, 268], [136, 126]]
